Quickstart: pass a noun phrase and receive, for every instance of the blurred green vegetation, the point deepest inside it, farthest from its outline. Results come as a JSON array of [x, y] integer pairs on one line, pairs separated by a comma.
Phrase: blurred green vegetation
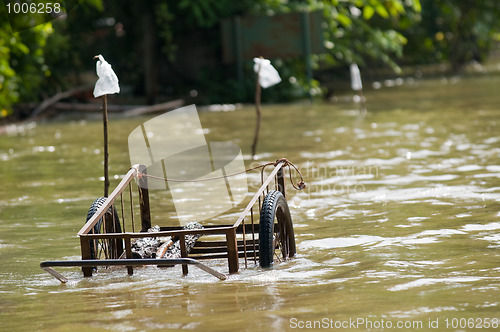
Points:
[[166, 49], [455, 31], [22, 64]]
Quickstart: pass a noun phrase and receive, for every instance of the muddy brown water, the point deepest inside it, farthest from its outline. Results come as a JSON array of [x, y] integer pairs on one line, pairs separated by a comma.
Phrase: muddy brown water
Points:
[[399, 226]]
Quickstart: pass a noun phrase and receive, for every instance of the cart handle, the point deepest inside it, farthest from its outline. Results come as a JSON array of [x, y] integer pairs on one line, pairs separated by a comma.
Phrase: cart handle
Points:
[[47, 266]]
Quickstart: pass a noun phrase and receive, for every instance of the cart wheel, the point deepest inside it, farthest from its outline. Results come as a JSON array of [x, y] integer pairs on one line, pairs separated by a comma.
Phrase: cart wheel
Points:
[[276, 237], [106, 248]]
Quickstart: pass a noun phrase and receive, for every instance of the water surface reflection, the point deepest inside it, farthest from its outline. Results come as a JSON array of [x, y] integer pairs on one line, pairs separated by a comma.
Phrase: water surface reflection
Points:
[[400, 219]]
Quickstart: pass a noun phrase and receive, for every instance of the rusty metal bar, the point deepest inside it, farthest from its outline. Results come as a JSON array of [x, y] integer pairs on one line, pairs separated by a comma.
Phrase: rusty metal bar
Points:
[[144, 200], [85, 248], [95, 243], [128, 251], [182, 241], [281, 181], [104, 244], [232, 250], [113, 208], [89, 263], [257, 195], [244, 243], [123, 212], [180, 232], [55, 274], [253, 237], [102, 210], [131, 207]]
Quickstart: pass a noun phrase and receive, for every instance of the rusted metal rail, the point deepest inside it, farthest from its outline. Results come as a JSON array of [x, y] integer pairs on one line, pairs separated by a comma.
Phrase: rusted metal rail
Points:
[[47, 266]]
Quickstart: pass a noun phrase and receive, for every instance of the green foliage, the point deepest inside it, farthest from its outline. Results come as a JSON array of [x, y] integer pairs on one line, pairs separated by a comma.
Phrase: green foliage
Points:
[[8, 82], [22, 63], [356, 30], [26, 74], [372, 34], [293, 86], [350, 26], [205, 13], [457, 31], [38, 62]]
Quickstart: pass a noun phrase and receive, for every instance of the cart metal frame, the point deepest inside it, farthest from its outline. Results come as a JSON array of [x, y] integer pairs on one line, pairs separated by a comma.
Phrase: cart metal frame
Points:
[[240, 237]]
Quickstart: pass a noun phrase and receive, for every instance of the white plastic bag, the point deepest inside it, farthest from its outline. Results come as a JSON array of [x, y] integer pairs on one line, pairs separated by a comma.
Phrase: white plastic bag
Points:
[[268, 75], [356, 84], [107, 82]]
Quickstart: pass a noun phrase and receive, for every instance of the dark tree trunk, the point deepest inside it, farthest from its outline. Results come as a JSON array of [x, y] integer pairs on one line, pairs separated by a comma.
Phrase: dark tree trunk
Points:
[[149, 55]]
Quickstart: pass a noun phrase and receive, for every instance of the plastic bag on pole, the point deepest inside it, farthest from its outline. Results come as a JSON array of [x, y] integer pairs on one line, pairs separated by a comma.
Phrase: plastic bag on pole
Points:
[[268, 75], [356, 84], [107, 82]]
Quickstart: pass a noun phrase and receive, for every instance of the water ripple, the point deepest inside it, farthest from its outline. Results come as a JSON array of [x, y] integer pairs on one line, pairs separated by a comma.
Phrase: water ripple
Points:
[[433, 281]]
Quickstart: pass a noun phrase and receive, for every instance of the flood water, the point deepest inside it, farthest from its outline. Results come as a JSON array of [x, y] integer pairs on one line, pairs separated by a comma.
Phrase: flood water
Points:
[[399, 224]]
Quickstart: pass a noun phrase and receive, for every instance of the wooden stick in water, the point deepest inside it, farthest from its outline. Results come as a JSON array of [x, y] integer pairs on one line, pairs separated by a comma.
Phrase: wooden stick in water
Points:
[[258, 90], [106, 152]]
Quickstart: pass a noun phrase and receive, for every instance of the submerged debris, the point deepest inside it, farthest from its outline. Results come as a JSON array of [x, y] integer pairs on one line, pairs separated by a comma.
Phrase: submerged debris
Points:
[[174, 250], [164, 247], [146, 247]]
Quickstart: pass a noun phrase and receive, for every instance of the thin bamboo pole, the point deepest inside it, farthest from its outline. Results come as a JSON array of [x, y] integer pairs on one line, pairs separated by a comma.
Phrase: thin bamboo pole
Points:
[[258, 91], [106, 151]]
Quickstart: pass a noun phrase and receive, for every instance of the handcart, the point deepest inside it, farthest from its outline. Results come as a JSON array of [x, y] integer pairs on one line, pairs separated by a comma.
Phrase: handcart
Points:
[[109, 234]]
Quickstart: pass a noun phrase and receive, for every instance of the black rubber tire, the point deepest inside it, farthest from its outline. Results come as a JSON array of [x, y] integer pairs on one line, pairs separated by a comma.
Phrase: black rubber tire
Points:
[[275, 229], [114, 248]]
